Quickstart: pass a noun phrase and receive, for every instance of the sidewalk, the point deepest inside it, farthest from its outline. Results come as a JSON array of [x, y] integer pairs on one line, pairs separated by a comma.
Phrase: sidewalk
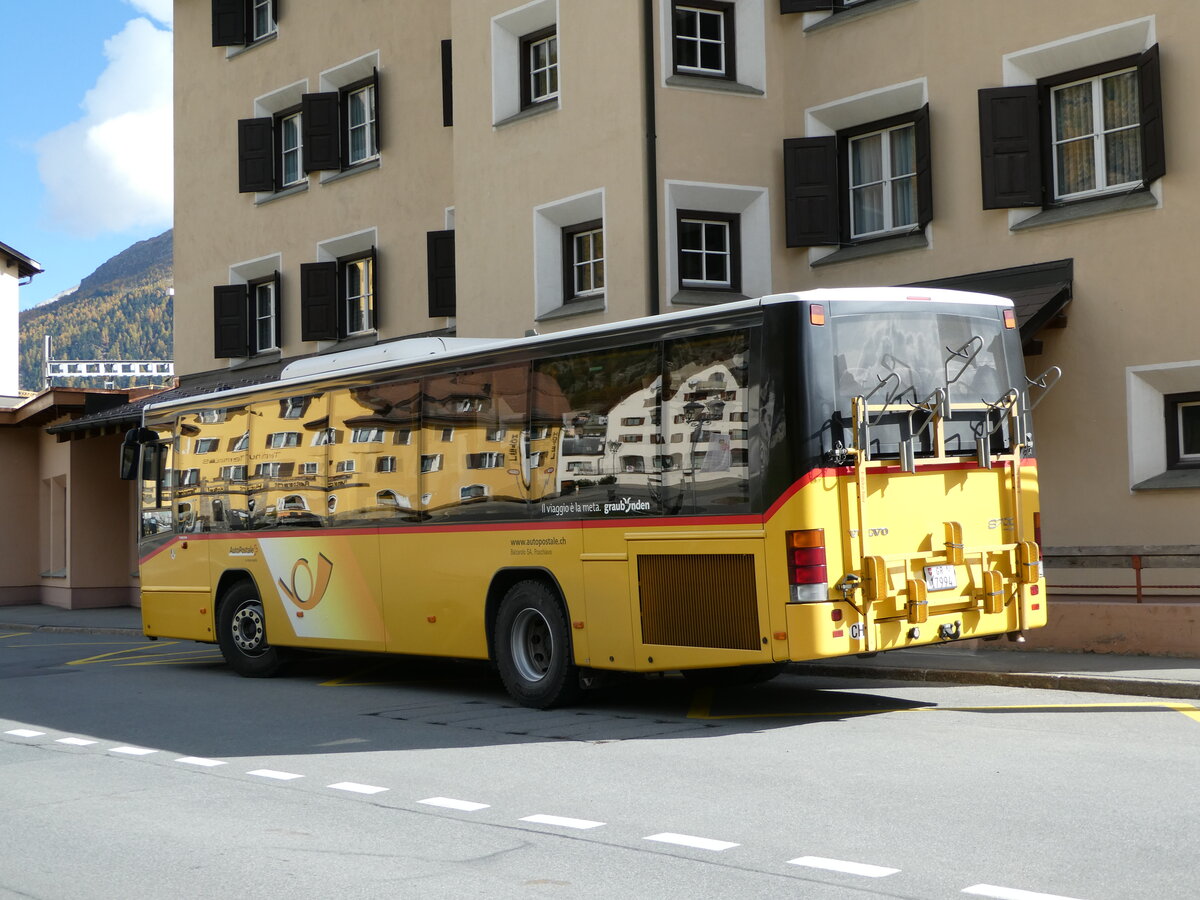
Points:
[[1145, 676]]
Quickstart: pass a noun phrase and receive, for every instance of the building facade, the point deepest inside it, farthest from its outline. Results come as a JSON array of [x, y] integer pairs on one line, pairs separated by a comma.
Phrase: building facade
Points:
[[485, 168]]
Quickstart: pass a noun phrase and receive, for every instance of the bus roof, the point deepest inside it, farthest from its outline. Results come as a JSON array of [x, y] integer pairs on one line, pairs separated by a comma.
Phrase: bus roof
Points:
[[393, 353]]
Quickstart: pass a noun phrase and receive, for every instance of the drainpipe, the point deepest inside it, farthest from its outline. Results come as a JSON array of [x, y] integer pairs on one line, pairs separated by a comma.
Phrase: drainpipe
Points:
[[652, 262]]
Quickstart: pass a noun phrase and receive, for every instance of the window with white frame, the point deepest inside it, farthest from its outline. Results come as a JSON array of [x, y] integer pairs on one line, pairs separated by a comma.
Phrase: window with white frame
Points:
[[233, 473], [1183, 430], [268, 470], [358, 285], [709, 250], [266, 315], [1096, 132], [366, 436], [485, 460], [883, 180], [403, 436], [338, 294], [385, 464], [473, 492], [288, 134], [583, 260], [431, 462], [359, 104], [702, 33], [309, 468], [241, 443], [239, 23], [207, 445], [293, 407], [344, 466], [325, 436], [539, 67], [280, 439]]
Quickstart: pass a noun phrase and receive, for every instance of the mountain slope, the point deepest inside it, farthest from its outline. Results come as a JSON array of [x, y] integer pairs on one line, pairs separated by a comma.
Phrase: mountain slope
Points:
[[122, 311]]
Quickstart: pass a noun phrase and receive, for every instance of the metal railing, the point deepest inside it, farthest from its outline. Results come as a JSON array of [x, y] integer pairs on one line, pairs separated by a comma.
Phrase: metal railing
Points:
[[1136, 559]]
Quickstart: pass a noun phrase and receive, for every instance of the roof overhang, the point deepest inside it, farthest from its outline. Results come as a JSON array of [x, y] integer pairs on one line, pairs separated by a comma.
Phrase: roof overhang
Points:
[[26, 267], [1040, 294]]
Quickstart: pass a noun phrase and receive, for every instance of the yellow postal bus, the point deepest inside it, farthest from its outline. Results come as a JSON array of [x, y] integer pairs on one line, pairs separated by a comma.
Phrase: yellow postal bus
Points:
[[717, 491]]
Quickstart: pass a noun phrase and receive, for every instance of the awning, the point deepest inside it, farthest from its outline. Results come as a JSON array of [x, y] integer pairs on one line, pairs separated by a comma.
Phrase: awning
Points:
[[1040, 294]]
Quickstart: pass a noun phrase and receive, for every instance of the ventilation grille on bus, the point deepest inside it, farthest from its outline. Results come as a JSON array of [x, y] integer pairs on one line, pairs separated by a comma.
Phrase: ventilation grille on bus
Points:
[[689, 600]]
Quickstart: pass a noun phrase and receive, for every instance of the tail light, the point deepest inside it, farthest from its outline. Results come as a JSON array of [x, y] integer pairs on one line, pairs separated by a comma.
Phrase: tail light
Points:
[[807, 571]]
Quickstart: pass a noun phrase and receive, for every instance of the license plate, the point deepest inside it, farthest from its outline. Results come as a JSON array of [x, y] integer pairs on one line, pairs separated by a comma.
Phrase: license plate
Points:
[[940, 578]]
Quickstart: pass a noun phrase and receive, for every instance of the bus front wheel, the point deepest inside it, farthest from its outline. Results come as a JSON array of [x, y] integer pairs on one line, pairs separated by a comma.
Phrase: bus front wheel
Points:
[[533, 647], [242, 633]]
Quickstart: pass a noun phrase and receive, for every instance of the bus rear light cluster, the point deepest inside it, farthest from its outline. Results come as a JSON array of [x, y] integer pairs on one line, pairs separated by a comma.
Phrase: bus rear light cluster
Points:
[[808, 574]]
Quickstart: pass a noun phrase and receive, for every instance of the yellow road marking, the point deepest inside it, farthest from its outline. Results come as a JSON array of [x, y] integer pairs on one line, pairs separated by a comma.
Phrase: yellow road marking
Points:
[[701, 708], [141, 651], [174, 659], [16, 634]]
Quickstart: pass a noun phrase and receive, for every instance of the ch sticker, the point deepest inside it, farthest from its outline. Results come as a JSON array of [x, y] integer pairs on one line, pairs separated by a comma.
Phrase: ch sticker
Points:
[[305, 590]]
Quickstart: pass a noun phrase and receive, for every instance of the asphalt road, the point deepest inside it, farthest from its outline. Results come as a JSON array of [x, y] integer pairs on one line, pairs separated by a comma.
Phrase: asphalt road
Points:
[[133, 769]]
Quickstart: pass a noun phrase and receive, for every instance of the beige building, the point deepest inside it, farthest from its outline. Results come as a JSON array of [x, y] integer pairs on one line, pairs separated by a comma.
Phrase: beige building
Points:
[[487, 167]]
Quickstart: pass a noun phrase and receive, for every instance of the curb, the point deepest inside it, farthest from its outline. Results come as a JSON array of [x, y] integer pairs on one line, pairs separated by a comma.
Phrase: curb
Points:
[[72, 629], [1100, 684]]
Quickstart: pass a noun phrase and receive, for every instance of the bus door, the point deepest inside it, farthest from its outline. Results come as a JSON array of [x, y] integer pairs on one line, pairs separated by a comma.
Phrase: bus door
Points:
[[176, 590]]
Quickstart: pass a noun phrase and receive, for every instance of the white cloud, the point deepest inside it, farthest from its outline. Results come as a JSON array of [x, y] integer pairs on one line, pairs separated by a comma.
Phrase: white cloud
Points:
[[162, 10], [112, 170]]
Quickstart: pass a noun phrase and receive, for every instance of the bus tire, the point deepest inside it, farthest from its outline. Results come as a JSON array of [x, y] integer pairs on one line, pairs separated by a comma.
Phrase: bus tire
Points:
[[242, 633], [533, 647], [734, 676]]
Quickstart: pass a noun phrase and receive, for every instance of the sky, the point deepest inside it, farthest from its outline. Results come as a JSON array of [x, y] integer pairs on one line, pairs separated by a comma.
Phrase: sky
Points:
[[85, 133]]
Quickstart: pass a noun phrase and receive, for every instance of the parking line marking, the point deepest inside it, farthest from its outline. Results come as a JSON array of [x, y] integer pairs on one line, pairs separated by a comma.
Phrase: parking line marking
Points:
[[271, 773], [199, 761], [1003, 893], [76, 742], [25, 732], [841, 865], [451, 803], [132, 751], [688, 840], [355, 788], [562, 822]]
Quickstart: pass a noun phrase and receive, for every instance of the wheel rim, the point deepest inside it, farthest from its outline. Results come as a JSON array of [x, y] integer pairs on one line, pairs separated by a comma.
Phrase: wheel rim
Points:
[[532, 645], [249, 631]]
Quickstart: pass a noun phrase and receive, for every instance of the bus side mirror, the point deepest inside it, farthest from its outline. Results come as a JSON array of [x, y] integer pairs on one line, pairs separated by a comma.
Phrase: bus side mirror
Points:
[[132, 450]]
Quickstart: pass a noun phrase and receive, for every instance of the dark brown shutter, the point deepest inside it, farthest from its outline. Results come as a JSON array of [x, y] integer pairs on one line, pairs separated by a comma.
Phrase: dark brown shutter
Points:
[[321, 127], [1154, 156], [374, 257], [378, 110], [1010, 144], [319, 301], [811, 191], [447, 85], [795, 6], [440, 266], [924, 167], [229, 23], [278, 306], [256, 159], [231, 321], [275, 11]]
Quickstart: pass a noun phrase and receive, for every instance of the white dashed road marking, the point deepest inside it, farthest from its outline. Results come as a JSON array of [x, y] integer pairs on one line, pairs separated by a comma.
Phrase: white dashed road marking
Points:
[[687, 840], [199, 761], [451, 803], [76, 742], [132, 751], [562, 822], [278, 776], [354, 788], [841, 865], [25, 732], [1004, 893]]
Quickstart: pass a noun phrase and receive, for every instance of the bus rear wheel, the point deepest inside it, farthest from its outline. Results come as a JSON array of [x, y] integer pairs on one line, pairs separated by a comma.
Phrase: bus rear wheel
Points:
[[533, 647], [242, 633]]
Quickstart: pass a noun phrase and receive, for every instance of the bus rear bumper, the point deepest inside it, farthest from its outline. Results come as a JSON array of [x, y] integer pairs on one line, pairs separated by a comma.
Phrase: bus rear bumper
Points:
[[836, 628]]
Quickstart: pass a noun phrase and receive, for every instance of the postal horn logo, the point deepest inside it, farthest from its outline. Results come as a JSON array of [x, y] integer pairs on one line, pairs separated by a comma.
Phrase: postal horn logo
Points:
[[306, 590]]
